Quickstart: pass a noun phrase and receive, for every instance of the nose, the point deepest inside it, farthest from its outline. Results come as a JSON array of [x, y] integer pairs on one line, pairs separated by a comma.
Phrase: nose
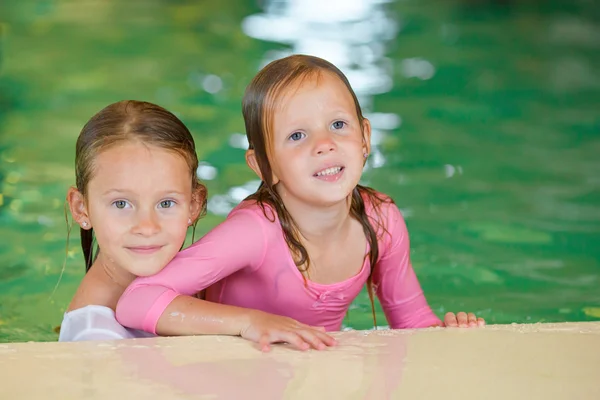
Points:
[[146, 224], [324, 144]]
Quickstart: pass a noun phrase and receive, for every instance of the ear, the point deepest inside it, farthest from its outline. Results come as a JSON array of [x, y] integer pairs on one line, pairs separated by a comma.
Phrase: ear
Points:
[[78, 208], [366, 136], [198, 202], [253, 164]]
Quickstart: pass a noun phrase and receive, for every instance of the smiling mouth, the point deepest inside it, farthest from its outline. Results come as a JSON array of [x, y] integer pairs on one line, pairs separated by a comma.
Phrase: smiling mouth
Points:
[[144, 249], [329, 171]]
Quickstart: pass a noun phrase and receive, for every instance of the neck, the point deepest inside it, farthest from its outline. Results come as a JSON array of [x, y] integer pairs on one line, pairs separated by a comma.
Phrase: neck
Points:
[[102, 285], [318, 222]]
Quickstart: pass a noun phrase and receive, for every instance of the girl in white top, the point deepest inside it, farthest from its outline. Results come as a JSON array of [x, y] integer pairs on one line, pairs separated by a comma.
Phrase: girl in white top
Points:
[[137, 193]]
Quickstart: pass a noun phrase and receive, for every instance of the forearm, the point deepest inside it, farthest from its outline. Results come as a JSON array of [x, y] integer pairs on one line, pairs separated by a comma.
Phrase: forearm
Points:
[[409, 318], [187, 315]]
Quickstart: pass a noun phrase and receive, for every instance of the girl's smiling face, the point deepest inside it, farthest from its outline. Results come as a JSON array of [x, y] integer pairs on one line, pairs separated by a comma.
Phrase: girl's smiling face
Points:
[[318, 142], [140, 203]]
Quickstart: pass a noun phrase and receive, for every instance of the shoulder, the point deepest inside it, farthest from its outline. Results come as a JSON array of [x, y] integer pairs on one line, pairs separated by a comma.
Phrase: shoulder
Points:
[[245, 224], [380, 208], [252, 207], [255, 215], [387, 221]]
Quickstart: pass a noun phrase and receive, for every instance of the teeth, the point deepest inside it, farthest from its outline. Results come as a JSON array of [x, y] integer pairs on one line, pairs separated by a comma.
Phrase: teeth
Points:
[[329, 171]]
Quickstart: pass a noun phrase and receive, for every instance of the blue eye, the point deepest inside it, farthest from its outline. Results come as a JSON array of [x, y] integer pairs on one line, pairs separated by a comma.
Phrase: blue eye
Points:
[[166, 204], [338, 124], [296, 136], [120, 204]]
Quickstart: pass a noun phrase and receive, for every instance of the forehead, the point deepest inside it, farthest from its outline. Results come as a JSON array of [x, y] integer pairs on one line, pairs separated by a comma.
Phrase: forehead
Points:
[[138, 166], [321, 86]]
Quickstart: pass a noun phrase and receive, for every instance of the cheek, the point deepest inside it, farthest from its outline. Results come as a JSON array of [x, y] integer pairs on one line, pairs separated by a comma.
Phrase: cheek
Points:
[[288, 162], [177, 228], [108, 229], [352, 148], [177, 234], [354, 142]]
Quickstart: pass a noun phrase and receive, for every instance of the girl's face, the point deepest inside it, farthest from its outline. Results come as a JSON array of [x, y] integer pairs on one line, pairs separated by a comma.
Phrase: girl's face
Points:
[[140, 204], [318, 142]]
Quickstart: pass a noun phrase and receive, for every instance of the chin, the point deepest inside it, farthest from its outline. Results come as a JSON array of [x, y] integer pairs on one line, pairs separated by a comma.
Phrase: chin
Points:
[[333, 200], [146, 272], [144, 269]]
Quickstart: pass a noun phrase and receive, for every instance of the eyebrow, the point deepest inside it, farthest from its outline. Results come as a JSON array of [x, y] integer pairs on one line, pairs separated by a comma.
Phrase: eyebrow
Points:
[[337, 113], [124, 191]]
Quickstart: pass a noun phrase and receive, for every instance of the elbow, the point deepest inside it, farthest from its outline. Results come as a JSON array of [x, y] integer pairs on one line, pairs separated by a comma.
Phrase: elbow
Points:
[[141, 307], [121, 314], [128, 311]]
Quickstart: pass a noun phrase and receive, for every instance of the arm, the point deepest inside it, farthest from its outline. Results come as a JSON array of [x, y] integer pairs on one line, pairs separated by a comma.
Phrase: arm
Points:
[[396, 284], [163, 303]]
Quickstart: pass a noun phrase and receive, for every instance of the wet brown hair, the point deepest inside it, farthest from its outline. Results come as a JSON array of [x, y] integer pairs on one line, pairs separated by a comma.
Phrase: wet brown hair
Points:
[[258, 107], [131, 120]]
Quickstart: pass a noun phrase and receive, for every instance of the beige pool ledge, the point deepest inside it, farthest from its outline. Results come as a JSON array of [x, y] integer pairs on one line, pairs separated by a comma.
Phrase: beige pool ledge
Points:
[[537, 361]]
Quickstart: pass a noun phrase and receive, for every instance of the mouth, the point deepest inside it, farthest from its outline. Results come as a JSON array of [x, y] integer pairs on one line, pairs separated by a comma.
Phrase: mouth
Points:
[[144, 249], [330, 174]]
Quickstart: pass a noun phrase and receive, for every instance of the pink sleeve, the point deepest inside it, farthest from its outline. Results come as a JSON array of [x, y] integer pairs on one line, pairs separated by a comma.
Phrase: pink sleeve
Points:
[[239, 242], [396, 284]]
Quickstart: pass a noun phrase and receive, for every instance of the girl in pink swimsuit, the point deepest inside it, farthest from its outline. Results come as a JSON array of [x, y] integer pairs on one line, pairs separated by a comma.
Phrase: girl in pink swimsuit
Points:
[[306, 242]]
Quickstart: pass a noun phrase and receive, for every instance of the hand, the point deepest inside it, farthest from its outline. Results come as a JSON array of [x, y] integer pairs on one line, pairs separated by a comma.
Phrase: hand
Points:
[[462, 320], [265, 329]]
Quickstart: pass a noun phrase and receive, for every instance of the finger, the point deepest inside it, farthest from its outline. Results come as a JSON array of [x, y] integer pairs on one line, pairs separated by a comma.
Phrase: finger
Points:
[[292, 338], [472, 319], [326, 338], [321, 333], [463, 320], [450, 320], [480, 322], [317, 338], [311, 337], [263, 343]]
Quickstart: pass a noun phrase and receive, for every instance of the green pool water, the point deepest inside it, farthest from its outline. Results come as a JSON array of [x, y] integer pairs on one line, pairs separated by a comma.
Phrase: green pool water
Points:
[[487, 117]]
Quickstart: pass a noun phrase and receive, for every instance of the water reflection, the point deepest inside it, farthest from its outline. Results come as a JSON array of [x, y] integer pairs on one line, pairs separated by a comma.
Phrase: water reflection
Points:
[[373, 363], [352, 34]]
